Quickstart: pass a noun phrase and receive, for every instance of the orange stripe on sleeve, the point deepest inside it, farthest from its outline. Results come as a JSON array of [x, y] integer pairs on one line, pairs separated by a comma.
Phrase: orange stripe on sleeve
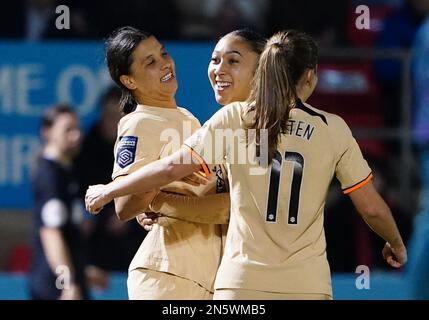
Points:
[[358, 185], [205, 172]]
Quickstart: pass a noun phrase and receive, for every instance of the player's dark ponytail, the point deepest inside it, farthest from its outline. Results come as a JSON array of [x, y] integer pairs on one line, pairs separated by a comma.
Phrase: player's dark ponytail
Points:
[[287, 55], [127, 103], [119, 49]]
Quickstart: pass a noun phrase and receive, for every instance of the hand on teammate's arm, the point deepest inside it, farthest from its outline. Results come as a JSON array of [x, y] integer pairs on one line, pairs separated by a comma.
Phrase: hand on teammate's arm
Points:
[[209, 209], [378, 216], [148, 219], [195, 179]]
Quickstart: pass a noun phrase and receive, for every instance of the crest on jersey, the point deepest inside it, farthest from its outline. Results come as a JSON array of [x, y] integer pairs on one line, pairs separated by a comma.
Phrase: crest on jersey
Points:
[[126, 153]]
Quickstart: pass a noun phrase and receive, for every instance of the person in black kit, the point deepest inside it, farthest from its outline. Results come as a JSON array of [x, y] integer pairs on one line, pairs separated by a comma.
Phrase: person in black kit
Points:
[[57, 269], [110, 243]]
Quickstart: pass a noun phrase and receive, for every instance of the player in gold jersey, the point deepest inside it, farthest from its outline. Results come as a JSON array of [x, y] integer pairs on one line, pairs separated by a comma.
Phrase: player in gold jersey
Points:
[[230, 71], [178, 259], [239, 55], [275, 247]]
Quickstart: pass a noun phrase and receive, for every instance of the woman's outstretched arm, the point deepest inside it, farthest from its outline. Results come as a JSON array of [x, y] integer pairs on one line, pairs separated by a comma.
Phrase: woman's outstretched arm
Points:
[[149, 177]]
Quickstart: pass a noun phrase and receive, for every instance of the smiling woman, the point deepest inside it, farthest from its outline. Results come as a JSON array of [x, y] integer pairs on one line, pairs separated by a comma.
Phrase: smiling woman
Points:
[[152, 75], [233, 62], [142, 68], [178, 259]]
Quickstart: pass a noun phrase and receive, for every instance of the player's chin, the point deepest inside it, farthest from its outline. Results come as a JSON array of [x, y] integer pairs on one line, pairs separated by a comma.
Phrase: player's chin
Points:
[[222, 99], [172, 84]]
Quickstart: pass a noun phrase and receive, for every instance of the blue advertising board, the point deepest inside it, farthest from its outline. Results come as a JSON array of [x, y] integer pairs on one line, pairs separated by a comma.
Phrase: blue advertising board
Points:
[[34, 76]]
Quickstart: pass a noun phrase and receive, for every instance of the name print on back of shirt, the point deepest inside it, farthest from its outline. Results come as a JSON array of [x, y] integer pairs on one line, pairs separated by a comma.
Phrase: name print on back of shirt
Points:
[[300, 129]]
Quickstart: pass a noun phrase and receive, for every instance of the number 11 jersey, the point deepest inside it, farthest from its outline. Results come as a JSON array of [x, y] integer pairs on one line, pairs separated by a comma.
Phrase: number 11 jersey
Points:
[[276, 240]]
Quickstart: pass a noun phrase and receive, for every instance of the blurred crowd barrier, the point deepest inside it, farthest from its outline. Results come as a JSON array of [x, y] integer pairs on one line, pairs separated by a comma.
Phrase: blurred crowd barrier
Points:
[[382, 286]]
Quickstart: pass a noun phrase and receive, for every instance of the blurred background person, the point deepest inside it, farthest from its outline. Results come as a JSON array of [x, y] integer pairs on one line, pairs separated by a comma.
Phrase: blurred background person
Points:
[[57, 268], [418, 268], [398, 32]]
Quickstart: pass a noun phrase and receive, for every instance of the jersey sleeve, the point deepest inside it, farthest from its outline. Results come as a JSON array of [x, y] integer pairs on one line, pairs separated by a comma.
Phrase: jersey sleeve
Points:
[[195, 122], [137, 145], [209, 144], [351, 170]]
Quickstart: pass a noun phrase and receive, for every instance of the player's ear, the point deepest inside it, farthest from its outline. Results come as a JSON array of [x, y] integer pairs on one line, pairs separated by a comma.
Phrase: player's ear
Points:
[[128, 82], [311, 75]]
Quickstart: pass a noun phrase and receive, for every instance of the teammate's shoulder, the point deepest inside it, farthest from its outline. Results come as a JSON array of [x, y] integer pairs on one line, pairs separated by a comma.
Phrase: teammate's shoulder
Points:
[[332, 120], [234, 107], [314, 112], [187, 113], [336, 122], [231, 113], [237, 105], [135, 118]]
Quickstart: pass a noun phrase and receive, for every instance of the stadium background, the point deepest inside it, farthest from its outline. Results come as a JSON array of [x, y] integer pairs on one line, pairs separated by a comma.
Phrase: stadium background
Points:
[[39, 70]]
